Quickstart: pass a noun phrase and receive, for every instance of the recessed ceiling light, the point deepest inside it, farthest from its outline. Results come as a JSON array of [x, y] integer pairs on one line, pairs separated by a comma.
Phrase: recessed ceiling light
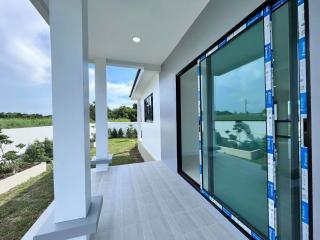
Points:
[[136, 39]]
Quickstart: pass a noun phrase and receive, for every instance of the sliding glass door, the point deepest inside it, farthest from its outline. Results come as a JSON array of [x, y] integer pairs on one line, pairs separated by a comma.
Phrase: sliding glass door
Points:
[[189, 125], [286, 99], [234, 130], [224, 122]]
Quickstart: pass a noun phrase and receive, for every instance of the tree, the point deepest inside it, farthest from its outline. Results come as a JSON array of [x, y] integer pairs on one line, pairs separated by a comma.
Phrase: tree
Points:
[[92, 109], [120, 133], [131, 132], [36, 152], [134, 106], [238, 128], [4, 142], [123, 112], [20, 146], [12, 159], [218, 138], [135, 134], [114, 133], [109, 133], [48, 148]]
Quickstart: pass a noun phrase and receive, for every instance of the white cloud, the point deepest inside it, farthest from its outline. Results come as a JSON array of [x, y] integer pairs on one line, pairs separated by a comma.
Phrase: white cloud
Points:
[[118, 93], [119, 89], [25, 63], [30, 61], [25, 41]]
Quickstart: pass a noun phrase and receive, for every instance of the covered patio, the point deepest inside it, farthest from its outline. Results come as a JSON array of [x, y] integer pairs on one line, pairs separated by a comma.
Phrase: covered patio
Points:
[[140, 201], [147, 201]]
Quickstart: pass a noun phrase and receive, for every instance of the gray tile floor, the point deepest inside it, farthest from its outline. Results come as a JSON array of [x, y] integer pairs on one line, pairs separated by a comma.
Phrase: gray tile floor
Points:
[[147, 201]]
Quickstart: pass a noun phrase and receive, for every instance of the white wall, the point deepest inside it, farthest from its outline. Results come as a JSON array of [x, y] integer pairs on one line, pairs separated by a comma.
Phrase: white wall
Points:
[[117, 125], [216, 19], [31, 134], [27, 136], [151, 138]]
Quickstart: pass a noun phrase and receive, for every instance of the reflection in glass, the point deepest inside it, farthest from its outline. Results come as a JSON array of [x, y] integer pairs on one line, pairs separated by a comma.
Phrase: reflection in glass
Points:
[[285, 78], [234, 127], [189, 124]]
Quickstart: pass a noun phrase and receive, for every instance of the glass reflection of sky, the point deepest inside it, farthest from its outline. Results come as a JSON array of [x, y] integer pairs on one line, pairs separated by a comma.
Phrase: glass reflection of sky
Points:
[[231, 87]]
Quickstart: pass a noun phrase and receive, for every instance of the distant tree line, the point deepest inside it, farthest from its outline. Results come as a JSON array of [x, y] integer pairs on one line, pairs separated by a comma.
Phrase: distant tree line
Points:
[[22, 115], [123, 112]]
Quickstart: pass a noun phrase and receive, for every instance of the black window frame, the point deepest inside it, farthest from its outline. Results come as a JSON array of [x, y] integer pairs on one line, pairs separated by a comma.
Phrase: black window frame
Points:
[[148, 108]]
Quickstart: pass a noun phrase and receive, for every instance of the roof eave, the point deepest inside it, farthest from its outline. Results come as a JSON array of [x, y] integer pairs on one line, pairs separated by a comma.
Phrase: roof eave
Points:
[[135, 83], [43, 8]]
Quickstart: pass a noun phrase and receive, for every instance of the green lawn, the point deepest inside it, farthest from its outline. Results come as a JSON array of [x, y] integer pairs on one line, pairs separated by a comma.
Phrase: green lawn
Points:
[[21, 206], [6, 123], [119, 120], [123, 150]]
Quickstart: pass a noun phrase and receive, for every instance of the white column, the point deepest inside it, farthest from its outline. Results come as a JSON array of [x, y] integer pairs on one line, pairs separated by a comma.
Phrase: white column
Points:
[[70, 100], [101, 112], [139, 120]]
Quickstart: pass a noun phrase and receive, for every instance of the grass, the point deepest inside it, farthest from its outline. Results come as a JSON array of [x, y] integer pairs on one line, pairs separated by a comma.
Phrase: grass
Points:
[[124, 151], [22, 205], [6, 123], [119, 120]]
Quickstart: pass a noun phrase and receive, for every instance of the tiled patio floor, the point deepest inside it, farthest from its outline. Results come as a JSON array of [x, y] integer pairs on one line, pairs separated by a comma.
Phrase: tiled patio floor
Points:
[[146, 201]]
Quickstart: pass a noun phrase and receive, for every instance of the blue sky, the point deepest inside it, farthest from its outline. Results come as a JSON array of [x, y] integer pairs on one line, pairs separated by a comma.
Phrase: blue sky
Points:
[[250, 84], [25, 66]]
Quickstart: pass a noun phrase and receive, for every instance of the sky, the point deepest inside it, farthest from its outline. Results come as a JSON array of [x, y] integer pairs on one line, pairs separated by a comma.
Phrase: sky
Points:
[[249, 82], [25, 65]]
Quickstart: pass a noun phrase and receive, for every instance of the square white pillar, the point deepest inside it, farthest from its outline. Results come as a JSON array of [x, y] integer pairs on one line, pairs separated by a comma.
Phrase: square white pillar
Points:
[[139, 120], [101, 113], [70, 94]]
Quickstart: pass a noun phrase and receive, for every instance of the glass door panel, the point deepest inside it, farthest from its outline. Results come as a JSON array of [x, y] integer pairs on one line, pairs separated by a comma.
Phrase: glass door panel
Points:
[[234, 127], [189, 124], [286, 93]]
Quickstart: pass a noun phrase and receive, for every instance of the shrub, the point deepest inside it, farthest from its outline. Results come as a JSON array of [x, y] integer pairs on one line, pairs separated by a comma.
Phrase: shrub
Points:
[[114, 133], [131, 132], [93, 138], [109, 133], [4, 142], [39, 152], [48, 148], [5, 168], [120, 133], [135, 133], [13, 161]]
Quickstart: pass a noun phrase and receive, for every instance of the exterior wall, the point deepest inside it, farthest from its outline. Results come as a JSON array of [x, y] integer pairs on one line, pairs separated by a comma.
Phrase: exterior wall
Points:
[[117, 125], [216, 19], [150, 141], [314, 9], [27, 136]]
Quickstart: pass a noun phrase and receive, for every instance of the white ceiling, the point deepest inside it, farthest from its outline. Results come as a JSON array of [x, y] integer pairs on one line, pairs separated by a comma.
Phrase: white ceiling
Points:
[[159, 23]]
